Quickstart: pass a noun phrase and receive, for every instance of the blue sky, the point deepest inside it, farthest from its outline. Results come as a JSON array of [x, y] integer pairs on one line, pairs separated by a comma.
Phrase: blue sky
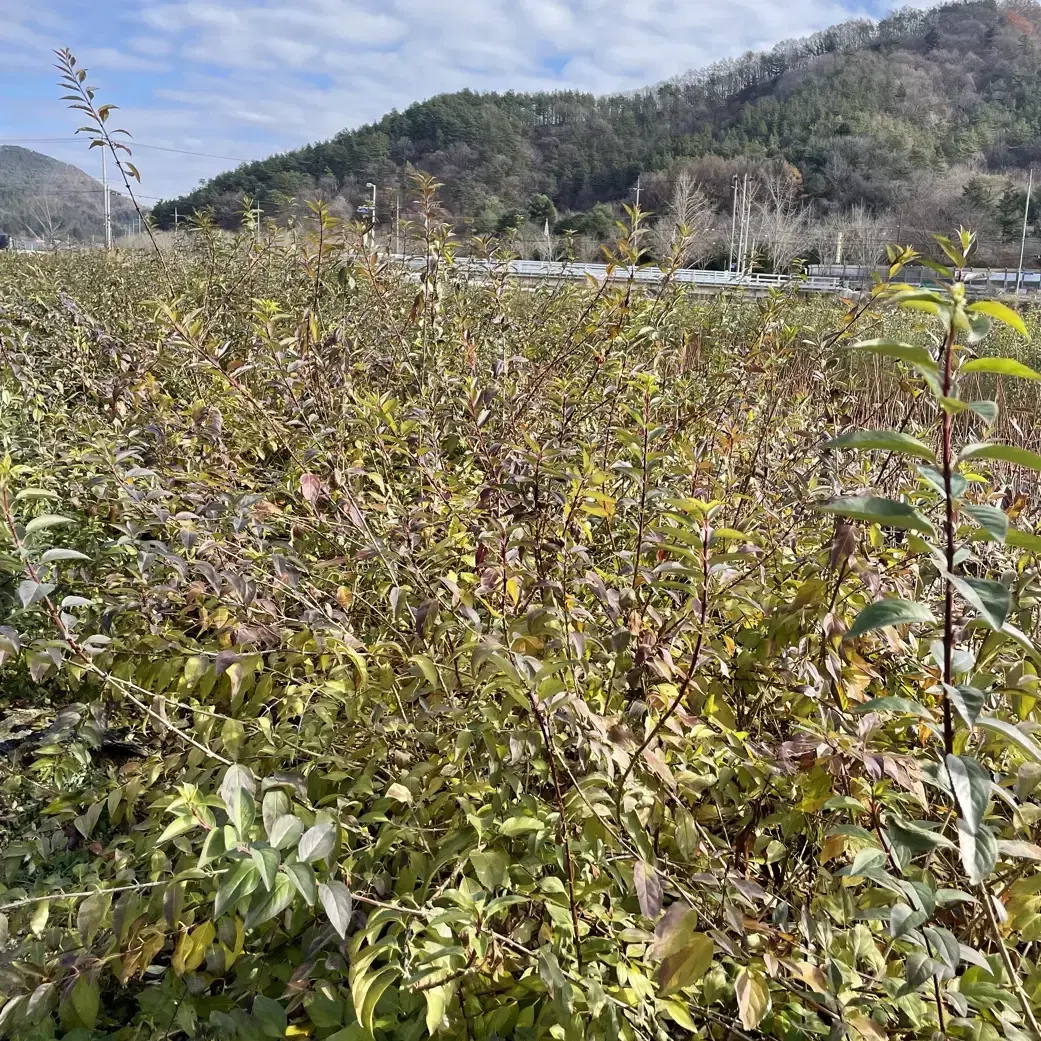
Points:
[[240, 79]]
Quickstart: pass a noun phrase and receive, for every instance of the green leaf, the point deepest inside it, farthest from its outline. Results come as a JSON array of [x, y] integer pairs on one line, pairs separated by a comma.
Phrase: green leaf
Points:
[[318, 842], [282, 894], [1023, 540], [972, 789], [52, 556], [882, 511], [986, 410], [1019, 848], [1011, 733], [979, 851], [491, 868], [237, 776], [920, 969], [213, 848], [91, 915], [366, 991], [916, 838], [1001, 313], [267, 861], [550, 971], [47, 520], [30, 592], [514, 826], [883, 440], [967, 701], [270, 1016], [901, 706], [946, 948], [237, 886], [753, 997], [1001, 454], [286, 831], [80, 1009], [35, 493], [935, 478], [303, 878], [993, 521], [902, 920], [990, 598], [1002, 367], [962, 661], [243, 811], [913, 354], [870, 859], [685, 955], [177, 827], [338, 903], [883, 613]]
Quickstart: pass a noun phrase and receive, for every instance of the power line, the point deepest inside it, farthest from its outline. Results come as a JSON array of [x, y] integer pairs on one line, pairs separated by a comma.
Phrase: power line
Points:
[[136, 144], [30, 187]]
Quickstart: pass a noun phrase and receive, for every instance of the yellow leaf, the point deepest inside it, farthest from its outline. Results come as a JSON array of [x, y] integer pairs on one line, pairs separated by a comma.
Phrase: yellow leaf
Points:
[[184, 947], [811, 975], [865, 1027], [992, 309], [753, 998], [437, 1005], [192, 947], [834, 846]]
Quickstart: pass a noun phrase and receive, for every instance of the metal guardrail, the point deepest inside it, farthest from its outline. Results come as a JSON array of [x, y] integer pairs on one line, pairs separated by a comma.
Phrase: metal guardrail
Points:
[[1004, 279], [549, 270]]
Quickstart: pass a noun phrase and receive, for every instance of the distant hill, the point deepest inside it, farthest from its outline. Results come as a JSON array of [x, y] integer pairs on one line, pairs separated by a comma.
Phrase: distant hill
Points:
[[923, 120], [42, 198]]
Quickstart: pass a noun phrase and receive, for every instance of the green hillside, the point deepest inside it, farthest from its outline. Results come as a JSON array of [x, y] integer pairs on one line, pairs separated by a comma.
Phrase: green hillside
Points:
[[919, 116]]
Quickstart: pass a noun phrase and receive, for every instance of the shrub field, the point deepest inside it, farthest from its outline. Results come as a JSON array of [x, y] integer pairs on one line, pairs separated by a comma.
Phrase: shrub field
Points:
[[391, 656]]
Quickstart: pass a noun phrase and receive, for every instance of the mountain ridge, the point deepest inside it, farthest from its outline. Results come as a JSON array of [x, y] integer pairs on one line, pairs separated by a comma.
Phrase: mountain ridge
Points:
[[46, 199], [866, 113]]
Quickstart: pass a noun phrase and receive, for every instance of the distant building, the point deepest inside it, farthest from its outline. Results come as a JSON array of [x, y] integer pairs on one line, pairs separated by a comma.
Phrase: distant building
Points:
[[5, 242]]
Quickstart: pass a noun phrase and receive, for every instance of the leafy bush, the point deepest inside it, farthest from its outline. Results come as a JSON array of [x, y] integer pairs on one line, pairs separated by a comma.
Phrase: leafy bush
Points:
[[394, 655]]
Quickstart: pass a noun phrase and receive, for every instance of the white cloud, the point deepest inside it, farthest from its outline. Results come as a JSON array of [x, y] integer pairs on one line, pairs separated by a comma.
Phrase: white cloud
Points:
[[249, 77]]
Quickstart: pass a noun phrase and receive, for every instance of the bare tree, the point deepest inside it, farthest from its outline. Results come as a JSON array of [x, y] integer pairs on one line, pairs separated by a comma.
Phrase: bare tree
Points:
[[825, 235], [865, 238], [779, 221], [44, 219], [686, 232], [531, 243]]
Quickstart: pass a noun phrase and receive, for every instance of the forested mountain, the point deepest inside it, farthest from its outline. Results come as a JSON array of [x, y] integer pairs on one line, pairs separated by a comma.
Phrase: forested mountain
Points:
[[45, 199], [922, 119]]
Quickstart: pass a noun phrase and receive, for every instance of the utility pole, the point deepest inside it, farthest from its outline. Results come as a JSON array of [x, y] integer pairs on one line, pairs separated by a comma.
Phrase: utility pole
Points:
[[108, 201], [638, 190], [176, 218], [733, 227], [372, 216], [742, 243], [748, 230], [1023, 240], [397, 203]]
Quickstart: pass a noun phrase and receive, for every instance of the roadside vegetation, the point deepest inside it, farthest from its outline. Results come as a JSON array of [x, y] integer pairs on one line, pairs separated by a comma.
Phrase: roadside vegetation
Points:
[[390, 657]]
